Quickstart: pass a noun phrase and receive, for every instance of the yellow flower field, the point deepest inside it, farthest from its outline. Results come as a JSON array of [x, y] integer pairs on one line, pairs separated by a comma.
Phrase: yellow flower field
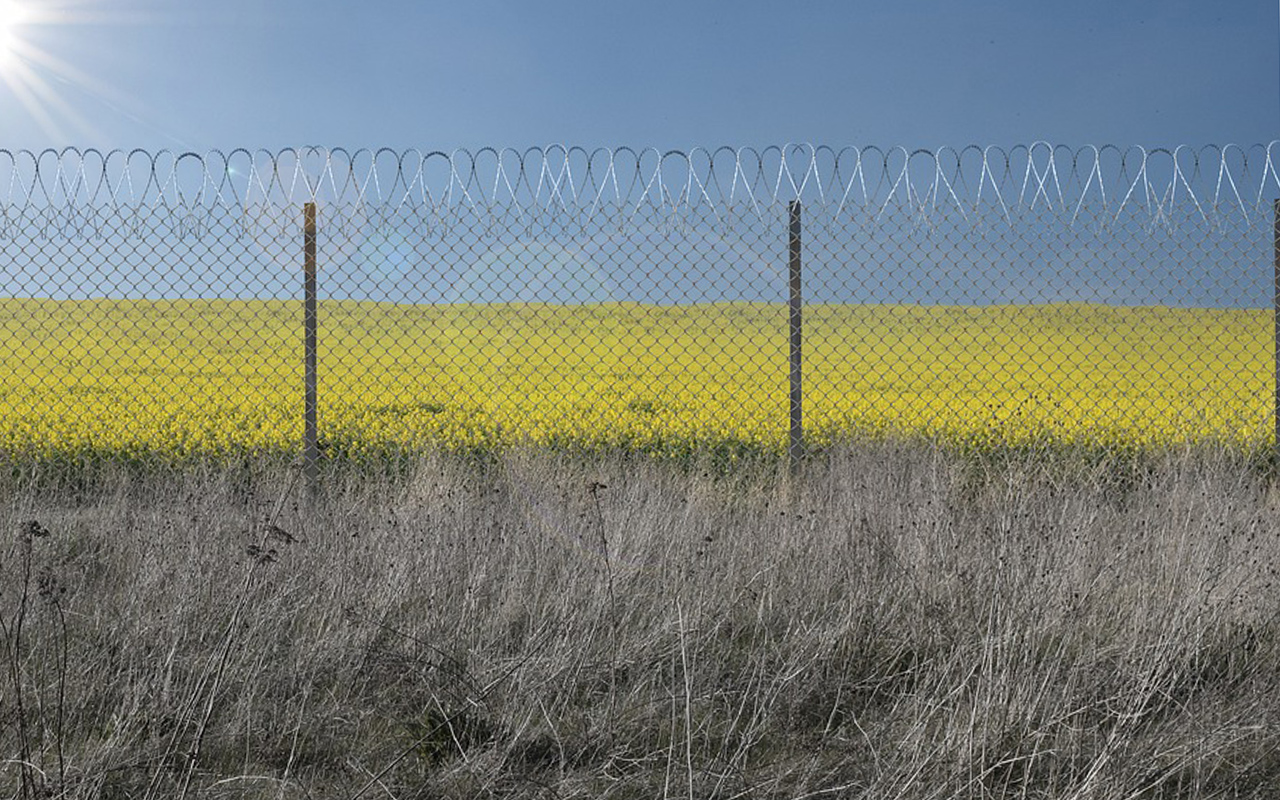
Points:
[[180, 378]]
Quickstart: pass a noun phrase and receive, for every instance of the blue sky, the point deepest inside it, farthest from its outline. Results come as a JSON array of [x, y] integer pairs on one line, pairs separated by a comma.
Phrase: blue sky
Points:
[[664, 73]]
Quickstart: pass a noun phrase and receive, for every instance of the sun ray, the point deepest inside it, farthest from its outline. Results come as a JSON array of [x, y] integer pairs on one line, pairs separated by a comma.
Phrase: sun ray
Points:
[[71, 75], [35, 91], [12, 17]]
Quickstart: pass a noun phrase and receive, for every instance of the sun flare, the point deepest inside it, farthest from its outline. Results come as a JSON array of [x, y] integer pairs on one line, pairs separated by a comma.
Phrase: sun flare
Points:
[[41, 64]]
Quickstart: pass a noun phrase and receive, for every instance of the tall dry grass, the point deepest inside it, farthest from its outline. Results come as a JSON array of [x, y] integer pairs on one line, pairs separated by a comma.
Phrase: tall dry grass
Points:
[[894, 622]]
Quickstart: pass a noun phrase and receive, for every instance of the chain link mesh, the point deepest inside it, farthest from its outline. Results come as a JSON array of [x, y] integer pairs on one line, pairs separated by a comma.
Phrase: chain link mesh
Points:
[[151, 304]]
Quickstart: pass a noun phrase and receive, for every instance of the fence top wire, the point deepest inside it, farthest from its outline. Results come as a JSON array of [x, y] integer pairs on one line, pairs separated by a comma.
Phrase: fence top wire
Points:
[[858, 182]]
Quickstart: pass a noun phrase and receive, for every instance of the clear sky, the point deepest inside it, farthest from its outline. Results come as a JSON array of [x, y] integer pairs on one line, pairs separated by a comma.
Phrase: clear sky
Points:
[[674, 74]]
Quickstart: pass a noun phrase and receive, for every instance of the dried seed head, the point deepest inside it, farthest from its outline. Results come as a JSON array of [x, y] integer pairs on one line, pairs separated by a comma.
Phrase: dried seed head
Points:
[[32, 530]]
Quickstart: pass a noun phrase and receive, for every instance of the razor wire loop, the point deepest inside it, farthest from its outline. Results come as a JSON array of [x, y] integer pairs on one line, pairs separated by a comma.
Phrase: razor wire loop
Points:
[[726, 182]]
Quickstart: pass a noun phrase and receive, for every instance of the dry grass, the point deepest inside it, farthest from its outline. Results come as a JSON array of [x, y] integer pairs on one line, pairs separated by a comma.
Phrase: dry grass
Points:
[[896, 622]]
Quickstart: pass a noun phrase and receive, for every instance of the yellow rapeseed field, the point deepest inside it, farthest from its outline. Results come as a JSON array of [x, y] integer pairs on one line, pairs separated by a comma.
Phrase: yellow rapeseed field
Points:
[[198, 377]]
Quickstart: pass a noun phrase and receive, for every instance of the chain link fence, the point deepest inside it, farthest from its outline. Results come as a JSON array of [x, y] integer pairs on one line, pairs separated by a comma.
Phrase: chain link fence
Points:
[[156, 306]]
